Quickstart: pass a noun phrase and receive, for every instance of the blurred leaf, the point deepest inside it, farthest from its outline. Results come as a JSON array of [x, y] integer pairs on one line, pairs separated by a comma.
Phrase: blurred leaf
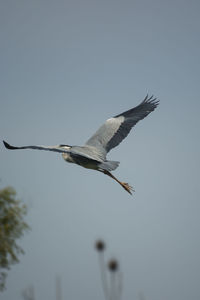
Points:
[[12, 227]]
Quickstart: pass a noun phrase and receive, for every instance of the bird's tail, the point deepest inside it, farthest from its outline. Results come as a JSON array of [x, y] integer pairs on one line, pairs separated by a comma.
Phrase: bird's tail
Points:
[[109, 165]]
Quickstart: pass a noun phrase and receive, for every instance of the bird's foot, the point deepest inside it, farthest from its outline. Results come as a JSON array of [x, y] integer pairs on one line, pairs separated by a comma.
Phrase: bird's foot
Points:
[[127, 187]]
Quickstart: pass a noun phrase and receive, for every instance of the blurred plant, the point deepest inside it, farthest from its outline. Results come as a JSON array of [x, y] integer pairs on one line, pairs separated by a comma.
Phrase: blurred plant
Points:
[[12, 227], [29, 293], [112, 288]]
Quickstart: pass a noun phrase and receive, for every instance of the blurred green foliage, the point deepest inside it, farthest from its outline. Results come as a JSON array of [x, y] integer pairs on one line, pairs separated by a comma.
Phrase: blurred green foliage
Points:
[[12, 227]]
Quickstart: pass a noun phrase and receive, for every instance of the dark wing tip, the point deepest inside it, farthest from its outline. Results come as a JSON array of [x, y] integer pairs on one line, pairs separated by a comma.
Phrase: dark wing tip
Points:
[[8, 146], [141, 110], [151, 100]]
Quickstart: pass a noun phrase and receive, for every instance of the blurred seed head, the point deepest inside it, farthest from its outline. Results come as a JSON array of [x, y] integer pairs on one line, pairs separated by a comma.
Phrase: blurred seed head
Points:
[[113, 265], [100, 245]]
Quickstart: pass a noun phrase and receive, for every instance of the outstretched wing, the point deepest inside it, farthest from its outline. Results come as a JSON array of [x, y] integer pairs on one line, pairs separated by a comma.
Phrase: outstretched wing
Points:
[[79, 154], [115, 129], [59, 148]]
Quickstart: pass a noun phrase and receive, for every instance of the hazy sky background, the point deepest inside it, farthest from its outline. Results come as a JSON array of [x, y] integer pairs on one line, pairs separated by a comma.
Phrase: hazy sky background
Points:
[[67, 66]]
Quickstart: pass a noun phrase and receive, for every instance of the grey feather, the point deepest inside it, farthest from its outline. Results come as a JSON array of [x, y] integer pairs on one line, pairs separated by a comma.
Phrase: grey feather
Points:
[[109, 165], [114, 130], [46, 148]]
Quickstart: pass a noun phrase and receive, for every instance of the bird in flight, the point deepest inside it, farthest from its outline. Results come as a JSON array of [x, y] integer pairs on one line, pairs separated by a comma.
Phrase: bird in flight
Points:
[[93, 154]]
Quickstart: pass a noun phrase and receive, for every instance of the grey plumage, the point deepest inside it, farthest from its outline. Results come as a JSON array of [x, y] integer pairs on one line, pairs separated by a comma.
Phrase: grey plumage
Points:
[[115, 129], [93, 154]]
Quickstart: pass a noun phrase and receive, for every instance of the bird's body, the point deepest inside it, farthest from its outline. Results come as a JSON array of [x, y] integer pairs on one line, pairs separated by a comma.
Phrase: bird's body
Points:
[[89, 157], [93, 154]]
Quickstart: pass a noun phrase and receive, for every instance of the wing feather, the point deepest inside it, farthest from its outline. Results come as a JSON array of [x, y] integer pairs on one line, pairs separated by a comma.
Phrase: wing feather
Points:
[[82, 153], [46, 148], [114, 130]]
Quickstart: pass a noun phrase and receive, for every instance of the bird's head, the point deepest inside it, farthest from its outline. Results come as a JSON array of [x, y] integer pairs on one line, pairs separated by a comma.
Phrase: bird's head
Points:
[[66, 147]]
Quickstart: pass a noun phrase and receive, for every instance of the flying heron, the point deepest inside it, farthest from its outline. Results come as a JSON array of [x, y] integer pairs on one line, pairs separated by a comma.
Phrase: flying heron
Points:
[[93, 154]]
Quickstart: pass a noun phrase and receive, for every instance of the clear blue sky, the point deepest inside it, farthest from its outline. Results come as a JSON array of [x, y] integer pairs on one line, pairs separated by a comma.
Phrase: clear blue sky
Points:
[[67, 66]]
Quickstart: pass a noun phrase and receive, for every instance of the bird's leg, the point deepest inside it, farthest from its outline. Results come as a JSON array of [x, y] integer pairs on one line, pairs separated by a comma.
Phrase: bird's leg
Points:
[[125, 185]]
